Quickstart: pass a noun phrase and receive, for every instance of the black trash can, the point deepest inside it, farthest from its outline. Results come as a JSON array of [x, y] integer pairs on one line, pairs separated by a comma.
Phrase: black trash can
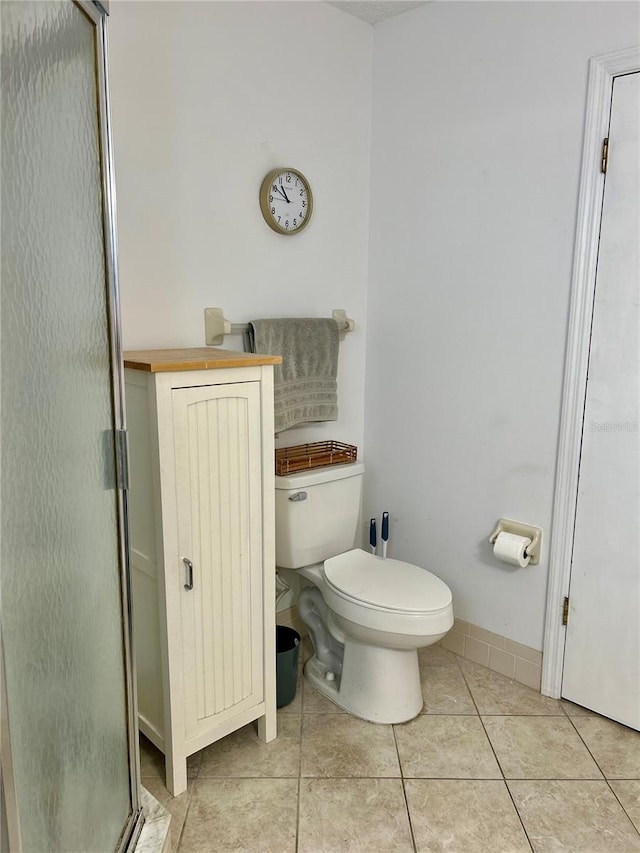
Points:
[[287, 651]]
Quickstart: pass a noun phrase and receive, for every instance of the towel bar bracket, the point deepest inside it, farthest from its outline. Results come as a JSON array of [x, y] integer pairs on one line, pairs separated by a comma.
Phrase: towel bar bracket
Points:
[[216, 327], [344, 323]]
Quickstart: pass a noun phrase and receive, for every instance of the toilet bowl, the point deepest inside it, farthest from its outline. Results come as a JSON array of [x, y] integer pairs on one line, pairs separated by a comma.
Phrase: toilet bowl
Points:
[[367, 616], [381, 612]]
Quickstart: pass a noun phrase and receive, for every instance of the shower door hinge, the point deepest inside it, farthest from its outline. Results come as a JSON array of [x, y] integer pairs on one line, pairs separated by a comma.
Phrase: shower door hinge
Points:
[[122, 460], [604, 160], [565, 611]]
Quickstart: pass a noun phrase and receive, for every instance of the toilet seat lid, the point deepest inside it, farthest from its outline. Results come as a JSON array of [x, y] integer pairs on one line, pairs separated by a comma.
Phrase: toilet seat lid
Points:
[[386, 584]]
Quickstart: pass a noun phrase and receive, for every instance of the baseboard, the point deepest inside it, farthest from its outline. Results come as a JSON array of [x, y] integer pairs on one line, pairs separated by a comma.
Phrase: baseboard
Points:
[[518, 662]]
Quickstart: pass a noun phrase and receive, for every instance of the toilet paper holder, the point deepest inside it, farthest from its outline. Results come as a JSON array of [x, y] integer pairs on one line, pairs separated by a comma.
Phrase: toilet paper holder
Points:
[[519, 528]]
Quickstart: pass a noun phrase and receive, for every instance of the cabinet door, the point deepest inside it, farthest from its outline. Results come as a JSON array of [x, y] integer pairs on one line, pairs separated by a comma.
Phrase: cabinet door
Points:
[[219, 508]]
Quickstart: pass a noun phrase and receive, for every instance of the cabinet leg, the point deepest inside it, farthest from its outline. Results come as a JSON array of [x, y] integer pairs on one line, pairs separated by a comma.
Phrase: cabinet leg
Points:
[[268, 726], [176, 774]]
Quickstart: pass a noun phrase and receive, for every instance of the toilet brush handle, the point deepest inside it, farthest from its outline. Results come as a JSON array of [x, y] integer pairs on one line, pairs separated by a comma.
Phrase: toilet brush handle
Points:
[[384, 535], [373, 539]]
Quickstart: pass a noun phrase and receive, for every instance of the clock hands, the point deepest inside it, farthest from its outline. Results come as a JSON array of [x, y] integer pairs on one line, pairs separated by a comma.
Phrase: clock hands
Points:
[[283, 193]]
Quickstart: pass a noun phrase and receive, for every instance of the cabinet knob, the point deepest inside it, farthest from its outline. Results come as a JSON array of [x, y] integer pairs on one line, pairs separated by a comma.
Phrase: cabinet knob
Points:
[[189, 567]]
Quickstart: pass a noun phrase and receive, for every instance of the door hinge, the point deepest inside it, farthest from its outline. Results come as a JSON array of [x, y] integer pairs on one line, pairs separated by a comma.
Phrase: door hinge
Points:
[[122, 460], [565, 611], [604, 160]]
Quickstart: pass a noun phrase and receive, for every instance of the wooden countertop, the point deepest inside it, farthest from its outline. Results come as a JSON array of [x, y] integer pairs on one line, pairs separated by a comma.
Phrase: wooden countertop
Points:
[[193, 358]]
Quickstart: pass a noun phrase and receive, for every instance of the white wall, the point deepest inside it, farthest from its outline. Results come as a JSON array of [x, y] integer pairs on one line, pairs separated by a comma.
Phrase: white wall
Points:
[[478, 111], [207, 97], [478, 116]]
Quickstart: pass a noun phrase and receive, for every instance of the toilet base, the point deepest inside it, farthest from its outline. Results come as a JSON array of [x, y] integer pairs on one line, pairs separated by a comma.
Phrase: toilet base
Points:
[[377, 684]]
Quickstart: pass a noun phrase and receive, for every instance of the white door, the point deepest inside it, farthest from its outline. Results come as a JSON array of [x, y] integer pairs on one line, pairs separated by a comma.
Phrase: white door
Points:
[[602, 655], [219, 504]]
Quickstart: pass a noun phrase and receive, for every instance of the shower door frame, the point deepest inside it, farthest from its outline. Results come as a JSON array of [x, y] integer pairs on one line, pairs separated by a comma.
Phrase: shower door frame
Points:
[[97, 13]]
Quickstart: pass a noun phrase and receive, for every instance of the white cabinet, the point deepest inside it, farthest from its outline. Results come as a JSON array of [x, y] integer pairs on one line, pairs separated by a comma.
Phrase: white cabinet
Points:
[[202, 547]]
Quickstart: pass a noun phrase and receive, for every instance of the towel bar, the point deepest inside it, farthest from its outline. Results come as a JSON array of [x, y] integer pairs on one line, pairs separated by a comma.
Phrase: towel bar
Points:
[[216, 327]]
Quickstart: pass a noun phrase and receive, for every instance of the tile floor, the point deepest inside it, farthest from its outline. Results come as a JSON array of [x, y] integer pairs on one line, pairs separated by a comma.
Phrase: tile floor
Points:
[[489, 765]]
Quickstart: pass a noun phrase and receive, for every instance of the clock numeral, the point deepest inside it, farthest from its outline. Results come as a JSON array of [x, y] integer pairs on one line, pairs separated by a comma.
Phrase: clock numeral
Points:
[[270, 199], [273, 210], [295, 223], [279, 218], [301, 215], [288, 178], [286, 223]]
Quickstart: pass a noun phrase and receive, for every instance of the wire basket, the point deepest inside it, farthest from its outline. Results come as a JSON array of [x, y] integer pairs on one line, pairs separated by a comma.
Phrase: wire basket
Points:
[[315, 455]]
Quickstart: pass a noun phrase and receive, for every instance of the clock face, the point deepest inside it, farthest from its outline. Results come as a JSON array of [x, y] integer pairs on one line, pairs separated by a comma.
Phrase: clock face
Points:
[[286, 201]]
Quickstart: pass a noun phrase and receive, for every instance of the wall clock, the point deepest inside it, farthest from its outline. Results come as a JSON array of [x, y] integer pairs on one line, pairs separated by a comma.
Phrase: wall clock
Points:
[[286, 201]]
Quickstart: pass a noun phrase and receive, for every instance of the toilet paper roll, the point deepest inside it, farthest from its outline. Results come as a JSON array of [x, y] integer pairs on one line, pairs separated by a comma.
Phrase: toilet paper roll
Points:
[[510, 549]]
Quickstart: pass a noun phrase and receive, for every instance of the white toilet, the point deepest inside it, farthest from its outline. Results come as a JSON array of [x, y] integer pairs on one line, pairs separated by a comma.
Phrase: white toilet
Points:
[[367, 616]]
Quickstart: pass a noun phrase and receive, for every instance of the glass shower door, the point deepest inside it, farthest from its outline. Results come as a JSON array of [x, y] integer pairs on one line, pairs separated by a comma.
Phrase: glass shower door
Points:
[[65, 624]]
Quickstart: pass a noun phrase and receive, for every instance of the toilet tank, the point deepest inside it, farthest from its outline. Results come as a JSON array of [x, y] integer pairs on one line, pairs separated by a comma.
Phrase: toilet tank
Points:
[[317, 514]]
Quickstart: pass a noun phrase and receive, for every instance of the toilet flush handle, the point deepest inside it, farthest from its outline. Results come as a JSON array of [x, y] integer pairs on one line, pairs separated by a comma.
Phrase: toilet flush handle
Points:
[[298, 496]]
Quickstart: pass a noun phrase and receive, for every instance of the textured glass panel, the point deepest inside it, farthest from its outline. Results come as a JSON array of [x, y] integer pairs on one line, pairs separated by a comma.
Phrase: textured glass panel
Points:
[[61, 611]]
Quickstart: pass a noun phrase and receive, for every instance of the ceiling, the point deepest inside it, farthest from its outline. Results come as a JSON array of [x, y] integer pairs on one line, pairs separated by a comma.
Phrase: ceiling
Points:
[[374, 11]]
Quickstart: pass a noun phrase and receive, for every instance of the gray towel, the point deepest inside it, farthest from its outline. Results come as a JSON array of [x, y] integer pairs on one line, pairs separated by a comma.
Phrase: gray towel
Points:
[[305, 388]]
